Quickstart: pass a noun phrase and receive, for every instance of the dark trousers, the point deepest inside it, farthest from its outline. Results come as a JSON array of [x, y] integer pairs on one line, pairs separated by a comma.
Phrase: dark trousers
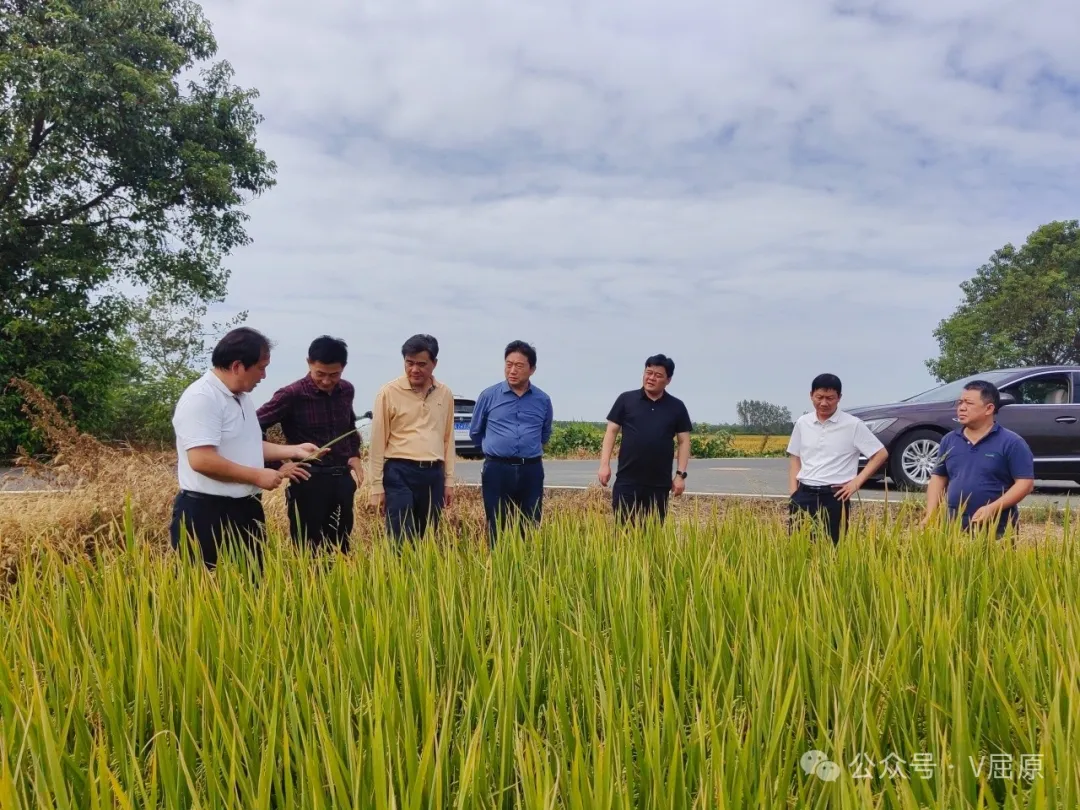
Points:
[[321, 509], [513, 491], [213, 522], [633, 503], [414, 497], [820, 503]]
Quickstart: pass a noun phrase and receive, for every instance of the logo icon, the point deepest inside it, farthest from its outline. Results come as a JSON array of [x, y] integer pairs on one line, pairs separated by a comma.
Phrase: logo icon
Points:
[[815, 763]]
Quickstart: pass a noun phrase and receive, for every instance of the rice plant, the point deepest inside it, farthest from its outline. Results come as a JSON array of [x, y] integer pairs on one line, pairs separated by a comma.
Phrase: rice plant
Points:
[[715, 662]]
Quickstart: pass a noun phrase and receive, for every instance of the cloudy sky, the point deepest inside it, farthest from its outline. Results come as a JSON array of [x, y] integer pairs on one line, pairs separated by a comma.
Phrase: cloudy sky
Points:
[[763, 192]]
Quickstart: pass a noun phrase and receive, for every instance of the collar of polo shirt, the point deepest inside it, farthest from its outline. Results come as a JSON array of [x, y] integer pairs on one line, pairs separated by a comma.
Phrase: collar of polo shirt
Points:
[[403, 382], [216, 381]]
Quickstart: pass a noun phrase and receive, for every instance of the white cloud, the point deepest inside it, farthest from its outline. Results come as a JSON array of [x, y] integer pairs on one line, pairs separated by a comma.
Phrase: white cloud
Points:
[[762, 193]]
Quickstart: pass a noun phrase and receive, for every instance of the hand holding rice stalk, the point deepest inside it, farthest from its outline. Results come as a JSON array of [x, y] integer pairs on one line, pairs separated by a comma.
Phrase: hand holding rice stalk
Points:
[[327, 446]]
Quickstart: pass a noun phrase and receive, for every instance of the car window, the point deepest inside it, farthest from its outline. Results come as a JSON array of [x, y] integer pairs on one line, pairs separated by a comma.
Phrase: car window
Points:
[[950, 392], [1046, 389]]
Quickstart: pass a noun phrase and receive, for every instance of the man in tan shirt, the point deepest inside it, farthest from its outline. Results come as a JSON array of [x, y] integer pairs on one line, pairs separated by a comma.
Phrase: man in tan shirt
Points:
[[412, 444]]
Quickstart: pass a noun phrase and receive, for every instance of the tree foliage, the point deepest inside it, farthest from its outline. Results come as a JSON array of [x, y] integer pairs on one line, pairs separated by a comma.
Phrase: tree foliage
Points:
[[1021, 308], [172, 343], [763, 417], [113, 177]]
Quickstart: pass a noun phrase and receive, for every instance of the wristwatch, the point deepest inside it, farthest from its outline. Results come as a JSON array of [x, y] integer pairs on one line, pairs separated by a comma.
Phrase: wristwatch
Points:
[[680, 473]]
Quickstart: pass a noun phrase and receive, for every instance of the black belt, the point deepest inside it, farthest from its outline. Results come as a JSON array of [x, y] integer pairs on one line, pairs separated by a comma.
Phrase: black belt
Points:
[[515, 460], [423, 465], [819, 490], [206, 496], [316, 469]]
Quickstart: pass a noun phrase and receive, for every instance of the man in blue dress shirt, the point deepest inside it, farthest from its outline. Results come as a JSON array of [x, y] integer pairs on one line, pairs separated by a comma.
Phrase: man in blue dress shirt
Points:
[[511, 423], [983, 469]]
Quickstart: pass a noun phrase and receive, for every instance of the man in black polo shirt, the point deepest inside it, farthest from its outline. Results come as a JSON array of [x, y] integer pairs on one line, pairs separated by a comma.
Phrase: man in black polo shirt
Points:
[[650, 419]]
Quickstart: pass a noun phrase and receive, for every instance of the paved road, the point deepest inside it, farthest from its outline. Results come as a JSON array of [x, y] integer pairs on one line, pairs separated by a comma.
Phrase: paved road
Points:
[[750, 477], [14, 480]]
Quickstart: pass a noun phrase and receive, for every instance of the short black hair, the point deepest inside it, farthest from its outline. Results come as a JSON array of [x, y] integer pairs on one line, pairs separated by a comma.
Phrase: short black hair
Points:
[[421, 343], [826, 382], [988, 392], [243, 344], [328, 350], [521, 347], [662, 360]]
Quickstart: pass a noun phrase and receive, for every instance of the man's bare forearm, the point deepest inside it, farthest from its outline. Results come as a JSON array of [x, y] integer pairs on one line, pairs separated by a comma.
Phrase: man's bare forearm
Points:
[[207, 461], [608, 447], [279, 452], [794, 465], [1016, 493], [934, 490], [873, 464], [683, 460]]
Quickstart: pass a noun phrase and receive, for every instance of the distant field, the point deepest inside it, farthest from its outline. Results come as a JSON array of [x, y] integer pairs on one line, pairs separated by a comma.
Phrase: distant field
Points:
[[753, 444], [585, 439]]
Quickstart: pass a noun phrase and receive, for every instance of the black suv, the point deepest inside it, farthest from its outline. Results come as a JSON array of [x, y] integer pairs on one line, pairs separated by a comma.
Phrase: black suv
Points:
[[1041, 403]]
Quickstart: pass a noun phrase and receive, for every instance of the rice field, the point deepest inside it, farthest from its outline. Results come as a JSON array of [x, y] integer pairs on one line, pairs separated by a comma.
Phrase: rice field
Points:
[[715, 662], [756, 444]]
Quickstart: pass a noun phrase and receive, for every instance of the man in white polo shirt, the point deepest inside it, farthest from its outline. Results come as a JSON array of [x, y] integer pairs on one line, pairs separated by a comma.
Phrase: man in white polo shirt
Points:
[[221, 454], [823, 471]]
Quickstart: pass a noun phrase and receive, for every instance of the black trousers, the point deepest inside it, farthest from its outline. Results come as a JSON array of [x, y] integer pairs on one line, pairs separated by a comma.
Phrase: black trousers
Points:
[[513, 491], [414, 497], [214, 522], [632, 503], [321, 509], [820, 503]]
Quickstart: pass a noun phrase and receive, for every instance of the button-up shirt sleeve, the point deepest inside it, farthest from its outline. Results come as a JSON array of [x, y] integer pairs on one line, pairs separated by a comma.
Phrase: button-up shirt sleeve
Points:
[[380, 428], [478, 424], [351, 445], [549, 420], [276, 409], [450, 445]]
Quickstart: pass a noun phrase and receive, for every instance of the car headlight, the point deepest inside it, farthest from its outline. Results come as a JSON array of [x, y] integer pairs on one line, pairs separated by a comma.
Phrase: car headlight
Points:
[[878, 425]]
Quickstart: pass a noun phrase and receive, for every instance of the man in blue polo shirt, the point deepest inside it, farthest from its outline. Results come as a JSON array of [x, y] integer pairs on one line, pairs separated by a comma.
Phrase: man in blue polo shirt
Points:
[[987, 469], [511, 423]]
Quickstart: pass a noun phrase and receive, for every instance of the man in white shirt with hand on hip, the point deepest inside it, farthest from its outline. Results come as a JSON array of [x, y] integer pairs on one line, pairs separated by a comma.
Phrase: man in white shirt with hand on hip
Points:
[[823, 472], [221, 454]]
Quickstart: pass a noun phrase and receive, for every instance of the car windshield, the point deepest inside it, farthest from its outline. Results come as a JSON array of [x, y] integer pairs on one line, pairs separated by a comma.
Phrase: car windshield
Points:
[[950, 392]]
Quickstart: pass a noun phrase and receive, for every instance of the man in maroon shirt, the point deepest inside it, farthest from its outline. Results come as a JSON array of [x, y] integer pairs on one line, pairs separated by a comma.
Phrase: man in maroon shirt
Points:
[[319, 407]]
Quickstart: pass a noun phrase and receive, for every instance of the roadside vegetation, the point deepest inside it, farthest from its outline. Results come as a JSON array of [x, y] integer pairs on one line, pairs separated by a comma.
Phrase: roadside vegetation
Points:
[[585, 440]]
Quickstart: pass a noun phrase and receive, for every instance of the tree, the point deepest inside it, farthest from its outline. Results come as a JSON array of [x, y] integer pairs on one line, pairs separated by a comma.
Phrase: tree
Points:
[[763, 417], [1021, 308], [172, 342], [112, 177]]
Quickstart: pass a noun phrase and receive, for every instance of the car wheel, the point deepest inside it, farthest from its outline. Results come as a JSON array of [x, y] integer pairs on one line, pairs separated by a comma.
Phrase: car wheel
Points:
[[913, 457]]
